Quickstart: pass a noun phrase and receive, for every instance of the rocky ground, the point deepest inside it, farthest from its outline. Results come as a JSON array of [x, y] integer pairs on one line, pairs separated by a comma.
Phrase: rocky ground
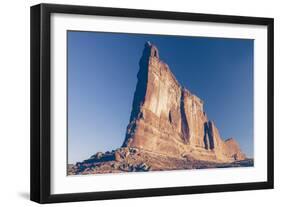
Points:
[[136, 160]]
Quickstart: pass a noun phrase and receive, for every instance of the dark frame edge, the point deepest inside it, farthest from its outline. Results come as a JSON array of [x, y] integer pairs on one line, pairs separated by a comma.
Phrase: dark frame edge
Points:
[[171, 191], [270, 103], [156, 14], [40, 104], [35, 25]]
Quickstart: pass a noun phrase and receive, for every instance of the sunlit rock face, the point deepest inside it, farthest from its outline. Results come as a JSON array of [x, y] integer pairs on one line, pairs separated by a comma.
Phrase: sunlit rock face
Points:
[[168, 119]]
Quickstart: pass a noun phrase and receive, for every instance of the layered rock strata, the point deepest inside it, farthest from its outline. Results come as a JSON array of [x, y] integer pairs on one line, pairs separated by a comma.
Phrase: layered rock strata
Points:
[[168, 119]]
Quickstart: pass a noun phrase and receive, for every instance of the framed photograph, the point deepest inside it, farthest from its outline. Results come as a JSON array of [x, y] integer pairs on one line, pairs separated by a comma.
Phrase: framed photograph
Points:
[[133, 103]]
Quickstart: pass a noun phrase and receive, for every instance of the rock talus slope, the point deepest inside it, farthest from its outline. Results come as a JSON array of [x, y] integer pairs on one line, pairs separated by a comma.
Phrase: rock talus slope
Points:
[[168, 119]]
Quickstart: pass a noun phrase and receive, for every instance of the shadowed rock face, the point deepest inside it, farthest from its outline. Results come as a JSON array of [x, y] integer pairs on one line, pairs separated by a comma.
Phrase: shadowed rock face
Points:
[[167, 119]]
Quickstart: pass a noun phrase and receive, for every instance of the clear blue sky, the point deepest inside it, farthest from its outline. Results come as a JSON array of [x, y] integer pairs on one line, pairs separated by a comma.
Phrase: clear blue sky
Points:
[[102, 76]]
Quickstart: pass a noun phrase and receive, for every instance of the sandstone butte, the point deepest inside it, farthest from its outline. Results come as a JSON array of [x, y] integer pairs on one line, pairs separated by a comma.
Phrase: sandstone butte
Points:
[[166, 118], [168, 129]]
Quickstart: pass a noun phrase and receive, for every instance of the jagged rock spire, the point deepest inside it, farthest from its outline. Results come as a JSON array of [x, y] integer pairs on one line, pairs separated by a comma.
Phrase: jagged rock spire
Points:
[[166, 118]]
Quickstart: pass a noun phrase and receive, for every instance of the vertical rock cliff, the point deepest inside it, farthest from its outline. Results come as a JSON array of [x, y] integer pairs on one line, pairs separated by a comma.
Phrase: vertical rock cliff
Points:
[[168, 119], [168, 129]]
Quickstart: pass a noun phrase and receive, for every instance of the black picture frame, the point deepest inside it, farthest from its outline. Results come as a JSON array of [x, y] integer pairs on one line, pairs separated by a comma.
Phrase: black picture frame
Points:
[[41, 99]]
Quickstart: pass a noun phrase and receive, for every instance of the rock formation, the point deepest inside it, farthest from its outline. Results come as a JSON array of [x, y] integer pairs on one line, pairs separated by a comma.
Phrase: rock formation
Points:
[[168, 129], [127, 159], [168, 119]]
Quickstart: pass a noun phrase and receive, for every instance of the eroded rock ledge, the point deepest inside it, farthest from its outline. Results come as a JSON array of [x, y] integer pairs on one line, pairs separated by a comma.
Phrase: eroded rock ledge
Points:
[[127, 159]]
